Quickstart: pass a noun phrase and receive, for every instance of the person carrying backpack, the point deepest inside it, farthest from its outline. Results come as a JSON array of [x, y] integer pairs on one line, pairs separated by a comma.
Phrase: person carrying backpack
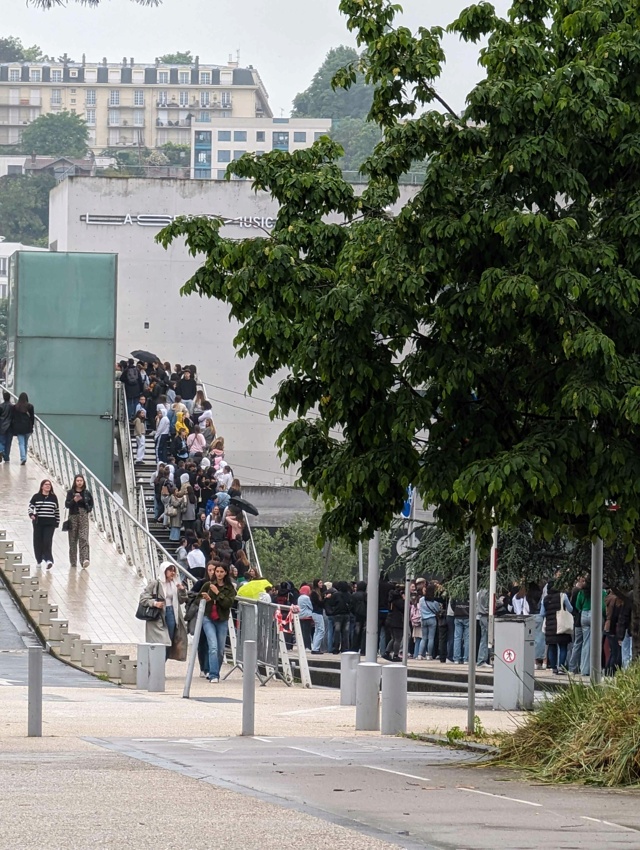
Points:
[[133, 387]]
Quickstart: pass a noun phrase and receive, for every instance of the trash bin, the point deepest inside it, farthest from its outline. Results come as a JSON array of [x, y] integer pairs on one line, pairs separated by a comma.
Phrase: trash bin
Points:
[[514, 664]]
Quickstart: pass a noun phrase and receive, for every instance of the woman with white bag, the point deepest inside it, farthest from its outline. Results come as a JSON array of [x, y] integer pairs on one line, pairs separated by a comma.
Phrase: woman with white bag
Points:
[[558, 631]]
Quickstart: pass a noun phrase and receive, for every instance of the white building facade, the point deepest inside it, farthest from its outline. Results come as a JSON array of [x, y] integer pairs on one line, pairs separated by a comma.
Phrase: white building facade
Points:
[[6, 250]]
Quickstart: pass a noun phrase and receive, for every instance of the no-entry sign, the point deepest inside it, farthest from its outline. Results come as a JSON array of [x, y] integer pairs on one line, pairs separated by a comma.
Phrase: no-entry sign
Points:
[[509, 656]]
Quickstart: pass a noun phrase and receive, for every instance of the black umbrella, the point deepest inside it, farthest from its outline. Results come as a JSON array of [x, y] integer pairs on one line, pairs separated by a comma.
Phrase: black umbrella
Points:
[[146, 356], [244, 505]]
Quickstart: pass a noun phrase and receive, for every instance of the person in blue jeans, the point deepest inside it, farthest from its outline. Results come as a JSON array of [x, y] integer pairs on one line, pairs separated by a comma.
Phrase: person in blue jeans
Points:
[[429, 610], [461, 632], [22, 422], [219, 595], [5, 427]]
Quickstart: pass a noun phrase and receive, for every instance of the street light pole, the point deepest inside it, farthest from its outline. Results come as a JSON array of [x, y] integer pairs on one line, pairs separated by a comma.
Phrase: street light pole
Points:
[[596, 610], [473, 607], [373, 588], [493, 585]]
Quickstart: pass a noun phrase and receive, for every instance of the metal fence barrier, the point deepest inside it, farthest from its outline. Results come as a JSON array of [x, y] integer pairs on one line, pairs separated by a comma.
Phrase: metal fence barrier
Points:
[[260, 622]]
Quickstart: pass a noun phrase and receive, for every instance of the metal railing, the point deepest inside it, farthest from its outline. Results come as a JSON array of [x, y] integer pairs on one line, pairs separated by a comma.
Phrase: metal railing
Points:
[[129, 537], [127, 458]]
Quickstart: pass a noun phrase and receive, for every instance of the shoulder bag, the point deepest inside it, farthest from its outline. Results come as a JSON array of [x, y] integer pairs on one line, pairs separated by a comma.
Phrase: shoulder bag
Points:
[[148, 612], [564, 620]]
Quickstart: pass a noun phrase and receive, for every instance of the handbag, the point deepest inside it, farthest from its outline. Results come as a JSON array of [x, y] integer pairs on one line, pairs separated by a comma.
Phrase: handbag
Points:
[[66, 525], [148, 612], [564, 620]]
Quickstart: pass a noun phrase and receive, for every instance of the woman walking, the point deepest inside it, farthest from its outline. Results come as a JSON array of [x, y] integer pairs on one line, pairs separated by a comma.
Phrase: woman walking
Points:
[[79, 503], [169, 629], [22, 421], [219, 595], [45, 516]]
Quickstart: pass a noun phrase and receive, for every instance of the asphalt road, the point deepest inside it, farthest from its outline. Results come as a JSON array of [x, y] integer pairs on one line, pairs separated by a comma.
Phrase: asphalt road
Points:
[[405, 792]]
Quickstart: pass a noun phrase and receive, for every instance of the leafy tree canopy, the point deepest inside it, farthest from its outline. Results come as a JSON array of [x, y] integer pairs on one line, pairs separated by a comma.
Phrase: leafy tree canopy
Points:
[[24, 208], [13, 50], [176, 154], [56, 134], [497, 313], [323, 100], [358, 138], [184, 58]]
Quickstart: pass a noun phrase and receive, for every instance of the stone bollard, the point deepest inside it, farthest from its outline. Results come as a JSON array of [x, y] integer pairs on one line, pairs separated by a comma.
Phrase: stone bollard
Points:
[[394, 699], [48, 613], [28, 586], [65, 645], [39, 600], [128, 672], [113, 665], [368, 696], [348, 672], [77, 647], [89, 654], [58, 629], [150, 672], [101, 656]]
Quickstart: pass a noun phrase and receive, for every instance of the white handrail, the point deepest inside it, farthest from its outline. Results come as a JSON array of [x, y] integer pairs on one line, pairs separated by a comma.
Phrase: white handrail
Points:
[[129, 470], [129, 537]]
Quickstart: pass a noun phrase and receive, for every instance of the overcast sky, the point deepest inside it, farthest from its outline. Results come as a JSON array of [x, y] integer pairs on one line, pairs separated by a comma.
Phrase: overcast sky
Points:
[[286, 40]]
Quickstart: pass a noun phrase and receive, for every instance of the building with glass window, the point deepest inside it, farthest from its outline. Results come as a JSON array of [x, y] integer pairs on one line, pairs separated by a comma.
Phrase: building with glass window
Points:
[[214, 146], [129, 104]]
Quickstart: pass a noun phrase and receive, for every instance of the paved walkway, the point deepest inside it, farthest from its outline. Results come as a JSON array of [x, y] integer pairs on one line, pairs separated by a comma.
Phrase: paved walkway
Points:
[[99, 602]]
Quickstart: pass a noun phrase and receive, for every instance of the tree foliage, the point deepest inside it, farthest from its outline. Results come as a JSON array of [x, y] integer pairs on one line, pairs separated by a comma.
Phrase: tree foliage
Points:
[[322, 100], [24, 208], [56, 134], [177, 154], [496, 314], [13, 50], [184, 58]]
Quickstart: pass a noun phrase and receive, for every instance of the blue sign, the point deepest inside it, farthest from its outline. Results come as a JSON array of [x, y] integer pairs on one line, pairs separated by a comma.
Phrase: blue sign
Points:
[[406, 508]]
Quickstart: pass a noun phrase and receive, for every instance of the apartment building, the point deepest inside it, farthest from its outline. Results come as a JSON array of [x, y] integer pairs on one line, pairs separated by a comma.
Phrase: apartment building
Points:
[[129, 104], [214, 146], [6, 250]]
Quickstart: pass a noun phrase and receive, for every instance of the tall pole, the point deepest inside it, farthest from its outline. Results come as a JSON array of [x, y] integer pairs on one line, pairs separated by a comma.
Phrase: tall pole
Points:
[[596, 611], [360, 562], [408, 575], [493, 586], [373, 582], [473, 607]]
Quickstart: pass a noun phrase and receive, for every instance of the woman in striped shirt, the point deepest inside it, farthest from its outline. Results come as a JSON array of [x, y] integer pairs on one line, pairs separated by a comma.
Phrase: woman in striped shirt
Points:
[[45, 516]]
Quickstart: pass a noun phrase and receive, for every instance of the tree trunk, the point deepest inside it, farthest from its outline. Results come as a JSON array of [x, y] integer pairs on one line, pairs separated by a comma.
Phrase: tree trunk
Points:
[[635, 617]]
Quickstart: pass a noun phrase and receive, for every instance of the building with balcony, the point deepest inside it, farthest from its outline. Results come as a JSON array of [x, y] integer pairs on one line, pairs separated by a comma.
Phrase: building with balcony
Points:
[[129, 104], [217, 142]]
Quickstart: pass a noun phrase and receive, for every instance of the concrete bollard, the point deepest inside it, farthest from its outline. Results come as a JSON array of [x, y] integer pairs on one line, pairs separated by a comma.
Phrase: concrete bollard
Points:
[[58, 629], [65, 646], [28, 586], [34, 693], [394, 699], [142, 672], [113, 665], [128, 672], [348, 672], [48, 613], [101, 656], [39, 600], [368, 696], [88, 654], [249, 664], [17, 575], [157, 659], [77, 648], [12, 558]]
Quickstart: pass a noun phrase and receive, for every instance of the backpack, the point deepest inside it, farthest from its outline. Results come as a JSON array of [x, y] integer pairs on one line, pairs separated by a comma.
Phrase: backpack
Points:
[[171, 416], [131, 376]]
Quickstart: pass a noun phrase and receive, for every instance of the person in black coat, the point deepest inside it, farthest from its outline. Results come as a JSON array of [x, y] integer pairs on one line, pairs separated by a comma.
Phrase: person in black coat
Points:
[[395, 624], [556, 643], [22, 423], [359, 608], [338, 607]]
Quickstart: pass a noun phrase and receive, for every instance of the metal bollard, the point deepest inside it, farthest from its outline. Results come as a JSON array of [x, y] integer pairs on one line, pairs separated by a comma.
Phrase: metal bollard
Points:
[[250, 662], [348, 671], [142, 672], [368, 696], [34, 723], [194, 649], [157, 659], [394, 699]]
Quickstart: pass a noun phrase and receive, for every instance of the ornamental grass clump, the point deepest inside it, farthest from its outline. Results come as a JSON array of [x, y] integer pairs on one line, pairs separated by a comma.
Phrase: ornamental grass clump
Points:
[[588, 734]]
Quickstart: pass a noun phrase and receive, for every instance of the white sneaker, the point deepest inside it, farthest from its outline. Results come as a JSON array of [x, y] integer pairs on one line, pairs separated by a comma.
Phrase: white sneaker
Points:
[[428, 658], [85, 564], [419, 657], [49, 564], [203, 675]]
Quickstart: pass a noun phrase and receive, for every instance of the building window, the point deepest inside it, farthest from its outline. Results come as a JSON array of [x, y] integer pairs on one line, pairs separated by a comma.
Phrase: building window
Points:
[[90, 117], [138, 97], [114, 117], [205, 78], [260, 136], [203, 158], [238, 154], [36, 75], [14, 170], [163, 77], [224, 156], [204, 98], [300, 137], [91, 97], [114, 97], [184, 78], [281, 141], [184, 98], [3, 266], [56, 75], [225, 97], [226, 113], [222, 174], [14, 75], [56, 97], [138, 117], [239, 135], [204, 117], [203, 137], [224, 135], [163, 97], [317, 136]]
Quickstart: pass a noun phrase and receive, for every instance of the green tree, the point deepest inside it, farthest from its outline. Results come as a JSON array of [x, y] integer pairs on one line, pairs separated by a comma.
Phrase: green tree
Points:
[[322, 100], [13, 50], [358, 139], [496, 314], [178, 58], [56, 134], [177, 154], [24, 208]]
